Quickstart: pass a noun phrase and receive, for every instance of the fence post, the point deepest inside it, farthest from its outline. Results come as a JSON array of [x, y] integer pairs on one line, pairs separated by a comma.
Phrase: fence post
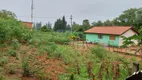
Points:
[[135, 67]]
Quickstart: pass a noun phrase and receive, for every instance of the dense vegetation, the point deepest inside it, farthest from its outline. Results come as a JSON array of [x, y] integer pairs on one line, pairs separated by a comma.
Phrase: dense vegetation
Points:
[[49, 55], [24, 52]]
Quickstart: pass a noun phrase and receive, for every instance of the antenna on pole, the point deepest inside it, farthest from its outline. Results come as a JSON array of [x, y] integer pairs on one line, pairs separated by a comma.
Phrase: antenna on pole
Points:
[[32, 10], [71, 24]]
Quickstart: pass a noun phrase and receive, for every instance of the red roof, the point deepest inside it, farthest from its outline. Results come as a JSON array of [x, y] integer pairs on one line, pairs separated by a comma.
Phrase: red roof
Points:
[[28, 24], [114, 30]]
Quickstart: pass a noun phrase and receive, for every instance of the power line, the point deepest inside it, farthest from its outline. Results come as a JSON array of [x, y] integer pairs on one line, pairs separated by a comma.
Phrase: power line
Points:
[[41, 17]]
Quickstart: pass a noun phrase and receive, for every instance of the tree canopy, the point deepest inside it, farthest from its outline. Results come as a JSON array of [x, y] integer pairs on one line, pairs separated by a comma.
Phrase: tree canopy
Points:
[[7, 14], [60, 25]]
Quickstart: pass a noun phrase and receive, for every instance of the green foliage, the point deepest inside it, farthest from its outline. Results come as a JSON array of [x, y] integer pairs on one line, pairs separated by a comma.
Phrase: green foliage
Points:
[[12, 53], [45, 29], [85, 25], [25, 67], [2, 77], [71, 77], [3, 60], [42, 75], [76, 27], [129, 17], [108, 23], [98, 23], [60, 25], [12, 69], [13, 29], [31, 65], [99, 52], [15, 44], [7, 14]]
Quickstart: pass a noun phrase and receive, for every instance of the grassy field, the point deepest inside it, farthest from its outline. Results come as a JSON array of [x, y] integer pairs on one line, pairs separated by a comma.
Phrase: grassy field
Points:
[[36, 55]]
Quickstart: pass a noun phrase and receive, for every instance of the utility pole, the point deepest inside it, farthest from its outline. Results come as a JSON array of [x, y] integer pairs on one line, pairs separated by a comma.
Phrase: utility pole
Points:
[[32, 10], [71, 24]]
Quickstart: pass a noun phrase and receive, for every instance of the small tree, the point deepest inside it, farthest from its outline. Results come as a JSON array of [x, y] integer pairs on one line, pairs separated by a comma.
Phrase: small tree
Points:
[[45, 29]]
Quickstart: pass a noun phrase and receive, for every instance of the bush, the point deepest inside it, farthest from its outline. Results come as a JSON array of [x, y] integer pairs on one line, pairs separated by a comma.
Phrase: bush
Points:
[[26, 67], [2, 77], [100, 52], [12, 69], [31, 65], [3, 60], [42, 75], [13, 29], [12, 53], [15, 44]]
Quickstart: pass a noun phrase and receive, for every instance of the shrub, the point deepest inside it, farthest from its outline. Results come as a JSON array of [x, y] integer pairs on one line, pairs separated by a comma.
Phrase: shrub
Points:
[[13, 29], [12, 53], [26, 67], [31, 65], [2, 77], [99, 51], [15, 44], [12, 69], [3, 60], [42, 75]]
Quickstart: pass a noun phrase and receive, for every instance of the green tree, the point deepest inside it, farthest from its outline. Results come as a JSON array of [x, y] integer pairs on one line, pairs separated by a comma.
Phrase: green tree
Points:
[[98, 23], [45, 28], [86, 24], [116, 22], [68, 28], [130, 17], [75, 27], [64, 24], [108, 23], [7, 14], [60, 25]]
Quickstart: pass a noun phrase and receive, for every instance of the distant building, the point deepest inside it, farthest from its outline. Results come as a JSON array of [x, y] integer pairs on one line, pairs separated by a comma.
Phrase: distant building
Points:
[[28, 24], [111, 35]]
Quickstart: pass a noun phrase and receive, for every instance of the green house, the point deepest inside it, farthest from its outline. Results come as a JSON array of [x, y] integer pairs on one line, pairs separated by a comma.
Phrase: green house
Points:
[[110, 35]]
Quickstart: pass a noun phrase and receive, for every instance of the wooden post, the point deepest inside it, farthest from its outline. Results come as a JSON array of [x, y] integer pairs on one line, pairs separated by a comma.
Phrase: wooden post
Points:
[[135, 67]]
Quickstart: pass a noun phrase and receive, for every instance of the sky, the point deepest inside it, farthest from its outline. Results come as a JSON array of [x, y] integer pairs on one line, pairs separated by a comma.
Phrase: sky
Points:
[[51, 10]]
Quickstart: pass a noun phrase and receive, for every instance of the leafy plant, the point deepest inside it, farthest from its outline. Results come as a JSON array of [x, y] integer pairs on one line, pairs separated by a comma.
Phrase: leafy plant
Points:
[[99, 52], [31, 66], [42, 75], [12, 53], [26, 67], [2, 77], [3, 60], [12, 69], [15, 44], [13, 29]]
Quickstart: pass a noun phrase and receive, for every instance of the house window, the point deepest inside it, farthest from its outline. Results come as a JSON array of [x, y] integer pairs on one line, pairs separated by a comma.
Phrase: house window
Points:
[[112, 37], [100, 36]]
